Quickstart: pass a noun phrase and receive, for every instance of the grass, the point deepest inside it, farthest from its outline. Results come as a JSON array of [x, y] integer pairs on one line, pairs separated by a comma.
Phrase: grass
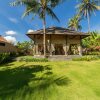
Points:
[[50, 80]]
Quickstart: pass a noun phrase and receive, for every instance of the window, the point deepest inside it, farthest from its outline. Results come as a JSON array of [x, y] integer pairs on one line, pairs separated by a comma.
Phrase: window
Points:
[[2, 44]]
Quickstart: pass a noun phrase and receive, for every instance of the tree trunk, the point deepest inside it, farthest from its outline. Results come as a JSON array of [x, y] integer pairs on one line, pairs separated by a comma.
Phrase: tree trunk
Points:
[[88, 22], [44, 35]]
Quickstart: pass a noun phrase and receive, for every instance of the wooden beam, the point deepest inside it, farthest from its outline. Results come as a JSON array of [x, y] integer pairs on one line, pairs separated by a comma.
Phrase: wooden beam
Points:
[[73, 37]]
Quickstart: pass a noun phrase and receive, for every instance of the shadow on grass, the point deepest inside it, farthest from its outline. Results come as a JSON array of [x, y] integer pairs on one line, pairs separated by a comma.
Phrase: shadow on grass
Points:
[[7, 62], [26, 78]]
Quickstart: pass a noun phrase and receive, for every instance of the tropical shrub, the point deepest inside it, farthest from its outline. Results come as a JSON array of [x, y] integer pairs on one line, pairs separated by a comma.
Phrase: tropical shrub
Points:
[[31, 59], [92, 53], [4, 57], [86, 58], [92, 41], [91, 44], [25, 48]]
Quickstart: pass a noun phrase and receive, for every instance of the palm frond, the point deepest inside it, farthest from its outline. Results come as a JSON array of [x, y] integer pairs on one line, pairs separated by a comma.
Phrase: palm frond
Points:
[[55, 2], [52, 14], [74, 23], [98, 7]]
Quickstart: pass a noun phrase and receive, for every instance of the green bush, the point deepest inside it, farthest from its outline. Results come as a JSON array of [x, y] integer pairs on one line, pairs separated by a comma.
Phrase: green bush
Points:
[[4, 57], [92, 53], [13, 54], [86, 58], [31, 59]]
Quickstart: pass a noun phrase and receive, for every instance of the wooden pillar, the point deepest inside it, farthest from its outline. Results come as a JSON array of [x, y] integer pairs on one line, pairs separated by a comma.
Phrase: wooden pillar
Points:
[[80, 47], [80, 50], [64, 48], [34, 48], [50, 45], [66, 45], [52, 49], [36, 53]]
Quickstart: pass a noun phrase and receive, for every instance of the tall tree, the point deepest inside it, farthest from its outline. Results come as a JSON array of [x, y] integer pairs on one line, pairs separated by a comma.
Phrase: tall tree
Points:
[[40, 8], [25, 47], [87, 7], [74, 23]]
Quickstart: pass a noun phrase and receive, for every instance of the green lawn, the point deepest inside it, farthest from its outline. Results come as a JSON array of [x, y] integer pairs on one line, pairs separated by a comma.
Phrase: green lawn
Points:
[[70, 80]]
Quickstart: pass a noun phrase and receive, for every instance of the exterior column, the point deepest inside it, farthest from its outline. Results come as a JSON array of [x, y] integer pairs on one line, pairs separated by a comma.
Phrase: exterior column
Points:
[[68, 45], [65, 48], [80, 49], [50, 45], [36, 49], [52, 48]]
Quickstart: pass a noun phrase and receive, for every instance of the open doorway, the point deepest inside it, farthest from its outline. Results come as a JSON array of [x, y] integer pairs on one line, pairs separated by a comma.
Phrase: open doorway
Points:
[[59, 49], [41, 49]]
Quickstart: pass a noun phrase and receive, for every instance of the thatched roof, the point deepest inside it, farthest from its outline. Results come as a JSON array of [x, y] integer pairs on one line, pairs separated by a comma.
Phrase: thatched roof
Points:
[[2, 39], [58, 31]]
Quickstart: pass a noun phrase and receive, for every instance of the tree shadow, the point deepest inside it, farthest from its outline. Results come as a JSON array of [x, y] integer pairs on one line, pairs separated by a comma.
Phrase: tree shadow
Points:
[[13, 80], [8, 62]]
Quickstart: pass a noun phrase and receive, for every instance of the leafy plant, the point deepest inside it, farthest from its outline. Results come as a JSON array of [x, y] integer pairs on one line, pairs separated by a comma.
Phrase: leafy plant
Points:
[[86, 58], [4, 57], [25, 47], [92, 41], [31, 59]]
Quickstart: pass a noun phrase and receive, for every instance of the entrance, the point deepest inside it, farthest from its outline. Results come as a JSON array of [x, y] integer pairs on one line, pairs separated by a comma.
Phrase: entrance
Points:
[[59, 49], [41, 49]]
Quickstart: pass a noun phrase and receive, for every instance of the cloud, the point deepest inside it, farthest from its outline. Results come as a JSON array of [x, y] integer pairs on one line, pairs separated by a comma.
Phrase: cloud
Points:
[[14, 20], [11, 39], [11, 32]]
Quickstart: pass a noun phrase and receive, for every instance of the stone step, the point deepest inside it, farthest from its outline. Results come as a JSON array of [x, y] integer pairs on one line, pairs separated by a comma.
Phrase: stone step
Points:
[[59, 57]]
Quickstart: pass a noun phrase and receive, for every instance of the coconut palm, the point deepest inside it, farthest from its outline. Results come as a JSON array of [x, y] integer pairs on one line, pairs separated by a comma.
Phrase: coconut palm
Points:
[[87, 7], [40, 8], [74, 23]]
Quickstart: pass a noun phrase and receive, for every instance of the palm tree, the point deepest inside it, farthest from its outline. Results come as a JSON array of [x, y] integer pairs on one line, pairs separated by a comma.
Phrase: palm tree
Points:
[[40, 8], [87, 7], [74, 23]]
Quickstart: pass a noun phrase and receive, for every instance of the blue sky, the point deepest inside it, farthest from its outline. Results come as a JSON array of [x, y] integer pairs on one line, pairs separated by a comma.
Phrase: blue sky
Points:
[[11, 20]]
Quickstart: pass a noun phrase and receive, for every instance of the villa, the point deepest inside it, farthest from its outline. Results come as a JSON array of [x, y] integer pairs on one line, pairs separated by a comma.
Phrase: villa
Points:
[[5, 46], [59, 41]]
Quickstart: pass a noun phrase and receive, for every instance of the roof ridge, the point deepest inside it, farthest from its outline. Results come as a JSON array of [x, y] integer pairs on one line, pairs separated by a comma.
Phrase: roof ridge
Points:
[[59, 29]]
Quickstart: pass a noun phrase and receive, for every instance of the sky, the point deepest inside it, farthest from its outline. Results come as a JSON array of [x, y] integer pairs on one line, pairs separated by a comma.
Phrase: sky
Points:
[[13, 27]]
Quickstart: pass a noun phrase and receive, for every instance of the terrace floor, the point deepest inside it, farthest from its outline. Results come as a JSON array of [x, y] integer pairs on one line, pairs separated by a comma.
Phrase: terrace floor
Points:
[[59, 57]]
